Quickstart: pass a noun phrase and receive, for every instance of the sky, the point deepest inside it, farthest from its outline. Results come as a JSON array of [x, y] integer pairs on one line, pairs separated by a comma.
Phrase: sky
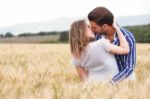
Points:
[[24, 11]]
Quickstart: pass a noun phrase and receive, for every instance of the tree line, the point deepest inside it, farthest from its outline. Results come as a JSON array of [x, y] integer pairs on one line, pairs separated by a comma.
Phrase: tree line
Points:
[[141, 33]]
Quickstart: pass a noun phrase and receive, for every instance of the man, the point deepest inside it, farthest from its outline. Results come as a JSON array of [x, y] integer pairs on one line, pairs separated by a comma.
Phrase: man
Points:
[[101, 20]]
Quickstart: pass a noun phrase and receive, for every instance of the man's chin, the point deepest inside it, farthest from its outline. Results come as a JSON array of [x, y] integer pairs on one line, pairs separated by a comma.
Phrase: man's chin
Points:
[[100, 33]]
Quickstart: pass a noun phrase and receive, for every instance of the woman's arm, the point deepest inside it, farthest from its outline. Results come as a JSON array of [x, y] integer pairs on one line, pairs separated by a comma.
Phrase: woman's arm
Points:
[[123, 48], [82, 72]]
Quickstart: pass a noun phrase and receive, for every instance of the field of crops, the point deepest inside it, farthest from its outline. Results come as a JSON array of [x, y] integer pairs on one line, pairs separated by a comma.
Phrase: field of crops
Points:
[[44, 71]]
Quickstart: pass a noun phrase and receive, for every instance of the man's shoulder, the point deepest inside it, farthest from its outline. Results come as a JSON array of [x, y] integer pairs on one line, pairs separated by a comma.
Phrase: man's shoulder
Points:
[[125, 31], [128, 35], [99, 36]]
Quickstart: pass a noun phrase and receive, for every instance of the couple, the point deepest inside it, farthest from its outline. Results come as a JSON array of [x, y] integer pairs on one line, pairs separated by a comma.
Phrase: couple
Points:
[[101, 51]]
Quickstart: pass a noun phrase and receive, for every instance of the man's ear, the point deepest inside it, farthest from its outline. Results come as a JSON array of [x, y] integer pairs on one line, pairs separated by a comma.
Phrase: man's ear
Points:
[[105, 25]]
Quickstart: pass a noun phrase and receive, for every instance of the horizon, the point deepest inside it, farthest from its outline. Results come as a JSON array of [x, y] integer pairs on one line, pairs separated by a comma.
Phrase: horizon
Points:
[[63, 24], [65, 17]]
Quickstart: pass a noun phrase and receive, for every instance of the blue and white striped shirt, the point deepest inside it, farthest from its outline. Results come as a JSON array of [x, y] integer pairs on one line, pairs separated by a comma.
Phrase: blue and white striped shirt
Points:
[[126, 63]]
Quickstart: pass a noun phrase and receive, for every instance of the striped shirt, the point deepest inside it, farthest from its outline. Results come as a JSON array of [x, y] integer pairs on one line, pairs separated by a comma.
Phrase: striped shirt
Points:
[[126, 63]]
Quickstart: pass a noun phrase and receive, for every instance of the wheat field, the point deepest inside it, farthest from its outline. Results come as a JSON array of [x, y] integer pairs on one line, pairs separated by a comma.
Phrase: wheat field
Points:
[[44, 71]]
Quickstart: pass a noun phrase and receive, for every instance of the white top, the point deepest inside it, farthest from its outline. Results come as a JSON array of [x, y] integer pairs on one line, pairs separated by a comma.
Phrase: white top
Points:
[[97, 59]]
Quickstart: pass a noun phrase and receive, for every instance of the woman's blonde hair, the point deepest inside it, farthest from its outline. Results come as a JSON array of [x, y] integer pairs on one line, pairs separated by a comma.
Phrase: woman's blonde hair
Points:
[[78, 37]]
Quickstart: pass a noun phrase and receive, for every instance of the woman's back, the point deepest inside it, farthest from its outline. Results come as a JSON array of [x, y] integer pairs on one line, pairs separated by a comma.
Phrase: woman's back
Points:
[[97, 59]]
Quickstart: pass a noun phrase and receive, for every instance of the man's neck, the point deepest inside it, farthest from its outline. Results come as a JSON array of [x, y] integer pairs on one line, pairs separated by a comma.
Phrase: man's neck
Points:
[[110, 34]]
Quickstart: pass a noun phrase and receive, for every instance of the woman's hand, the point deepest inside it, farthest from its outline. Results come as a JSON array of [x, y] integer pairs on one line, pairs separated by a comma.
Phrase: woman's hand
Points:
[[123, 47], [115, 26]]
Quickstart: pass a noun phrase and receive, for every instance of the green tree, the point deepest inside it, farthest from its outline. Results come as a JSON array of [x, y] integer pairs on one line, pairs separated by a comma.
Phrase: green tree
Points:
[[64, 36], [8, 34]]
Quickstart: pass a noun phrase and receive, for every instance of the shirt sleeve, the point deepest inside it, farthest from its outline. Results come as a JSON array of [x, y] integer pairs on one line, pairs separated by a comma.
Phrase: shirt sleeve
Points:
[[129, 64], [106, 44], [76, 62]]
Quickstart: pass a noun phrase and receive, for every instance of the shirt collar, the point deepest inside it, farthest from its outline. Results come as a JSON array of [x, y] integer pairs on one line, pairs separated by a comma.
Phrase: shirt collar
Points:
[[115, 38]]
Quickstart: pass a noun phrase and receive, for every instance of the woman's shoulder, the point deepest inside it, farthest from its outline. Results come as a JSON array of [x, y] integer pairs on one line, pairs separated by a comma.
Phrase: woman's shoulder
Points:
[[102, 43]]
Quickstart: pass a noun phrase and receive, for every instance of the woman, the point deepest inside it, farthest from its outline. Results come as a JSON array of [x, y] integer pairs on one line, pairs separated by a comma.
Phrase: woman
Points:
[[94, 60]]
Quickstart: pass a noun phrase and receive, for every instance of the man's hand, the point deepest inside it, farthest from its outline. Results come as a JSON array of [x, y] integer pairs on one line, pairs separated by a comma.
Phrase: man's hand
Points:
[[82, 73]]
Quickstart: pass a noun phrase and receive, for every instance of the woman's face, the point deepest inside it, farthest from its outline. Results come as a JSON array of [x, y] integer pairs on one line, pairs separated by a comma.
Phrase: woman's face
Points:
[[96, 28], [90, 34]]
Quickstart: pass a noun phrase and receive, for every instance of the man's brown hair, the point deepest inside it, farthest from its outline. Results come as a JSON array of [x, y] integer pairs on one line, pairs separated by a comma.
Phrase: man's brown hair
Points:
[[101, 15]]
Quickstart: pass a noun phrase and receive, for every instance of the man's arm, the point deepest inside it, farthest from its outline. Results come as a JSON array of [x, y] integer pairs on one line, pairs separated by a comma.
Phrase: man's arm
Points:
[[130, 63], [83, 74]]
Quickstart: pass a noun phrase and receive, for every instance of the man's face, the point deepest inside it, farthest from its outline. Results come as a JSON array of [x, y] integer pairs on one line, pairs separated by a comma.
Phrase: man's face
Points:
[[96, 28]]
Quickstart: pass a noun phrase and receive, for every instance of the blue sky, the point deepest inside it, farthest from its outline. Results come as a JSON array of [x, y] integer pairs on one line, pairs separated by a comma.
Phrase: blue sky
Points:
[[24, 11]]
